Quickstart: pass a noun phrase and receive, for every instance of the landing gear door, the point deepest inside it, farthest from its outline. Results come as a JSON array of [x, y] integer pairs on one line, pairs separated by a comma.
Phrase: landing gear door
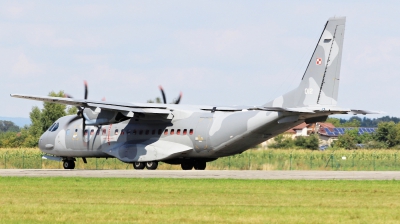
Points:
[[202, 137]]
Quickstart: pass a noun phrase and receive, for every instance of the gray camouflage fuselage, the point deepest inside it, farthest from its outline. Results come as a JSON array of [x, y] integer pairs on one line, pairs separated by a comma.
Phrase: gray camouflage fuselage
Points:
[[171, 133]]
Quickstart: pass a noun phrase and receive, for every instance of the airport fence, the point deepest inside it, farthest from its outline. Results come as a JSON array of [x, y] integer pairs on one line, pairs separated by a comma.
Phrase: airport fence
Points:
[[367, 160]]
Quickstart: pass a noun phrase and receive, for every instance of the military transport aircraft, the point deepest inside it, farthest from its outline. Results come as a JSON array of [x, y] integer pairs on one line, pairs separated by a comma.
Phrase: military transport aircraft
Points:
[[145, 133]]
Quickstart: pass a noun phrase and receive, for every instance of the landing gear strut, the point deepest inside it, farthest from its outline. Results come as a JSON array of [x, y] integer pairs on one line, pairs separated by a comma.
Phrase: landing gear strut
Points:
[[69, 164]]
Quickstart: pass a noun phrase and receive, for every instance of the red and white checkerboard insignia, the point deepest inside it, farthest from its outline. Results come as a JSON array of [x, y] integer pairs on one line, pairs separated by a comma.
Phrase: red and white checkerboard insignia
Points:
[[319, 61]]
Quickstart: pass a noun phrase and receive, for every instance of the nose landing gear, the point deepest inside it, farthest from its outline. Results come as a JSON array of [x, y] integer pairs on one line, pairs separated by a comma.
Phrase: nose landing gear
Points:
[[69, 164]]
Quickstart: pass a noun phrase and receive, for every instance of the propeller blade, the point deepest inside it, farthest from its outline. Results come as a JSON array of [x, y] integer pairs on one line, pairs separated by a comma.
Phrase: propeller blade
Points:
[[163, 95], [86, 90], [176, 101], [73, 119]]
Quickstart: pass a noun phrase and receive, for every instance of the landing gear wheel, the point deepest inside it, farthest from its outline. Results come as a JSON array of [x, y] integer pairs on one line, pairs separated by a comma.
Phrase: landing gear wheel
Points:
[[69, 164], [200, 165], [138, 165], [152, 165], [187, 166]]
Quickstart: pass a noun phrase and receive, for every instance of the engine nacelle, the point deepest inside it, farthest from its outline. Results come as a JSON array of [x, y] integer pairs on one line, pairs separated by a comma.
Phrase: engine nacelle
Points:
[[104, 117]]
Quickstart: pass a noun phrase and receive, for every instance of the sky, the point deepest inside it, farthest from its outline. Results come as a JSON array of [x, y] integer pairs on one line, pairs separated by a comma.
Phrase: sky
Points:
[[215, 52]]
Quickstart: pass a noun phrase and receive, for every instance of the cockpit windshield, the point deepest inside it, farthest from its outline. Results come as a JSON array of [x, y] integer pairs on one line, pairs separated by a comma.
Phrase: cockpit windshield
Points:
[[53, 127]]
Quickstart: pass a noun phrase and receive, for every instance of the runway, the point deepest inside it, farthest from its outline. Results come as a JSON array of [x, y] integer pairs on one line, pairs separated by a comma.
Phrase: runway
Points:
[[214, 174]]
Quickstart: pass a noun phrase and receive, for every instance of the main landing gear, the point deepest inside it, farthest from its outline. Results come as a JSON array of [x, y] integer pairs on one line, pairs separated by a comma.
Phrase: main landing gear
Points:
[[149, 165], [197, 165], [69, 164]]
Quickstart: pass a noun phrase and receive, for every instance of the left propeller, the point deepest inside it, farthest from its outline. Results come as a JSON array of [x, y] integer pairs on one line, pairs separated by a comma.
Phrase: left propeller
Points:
[[176, 101], [79, 114]]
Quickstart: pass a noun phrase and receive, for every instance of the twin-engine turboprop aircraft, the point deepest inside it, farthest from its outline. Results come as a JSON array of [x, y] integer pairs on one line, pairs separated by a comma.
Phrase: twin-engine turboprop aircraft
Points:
[[145, 133]]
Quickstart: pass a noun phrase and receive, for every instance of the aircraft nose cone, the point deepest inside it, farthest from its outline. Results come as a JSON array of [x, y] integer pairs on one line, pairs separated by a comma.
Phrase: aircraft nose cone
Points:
[[42, 142]]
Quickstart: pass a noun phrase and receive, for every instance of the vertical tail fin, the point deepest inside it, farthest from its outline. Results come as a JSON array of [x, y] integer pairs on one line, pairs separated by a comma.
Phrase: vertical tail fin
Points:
[[320, 82]]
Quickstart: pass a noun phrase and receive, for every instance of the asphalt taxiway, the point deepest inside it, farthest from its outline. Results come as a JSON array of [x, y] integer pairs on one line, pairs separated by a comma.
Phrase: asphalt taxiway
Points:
[[216, 174]]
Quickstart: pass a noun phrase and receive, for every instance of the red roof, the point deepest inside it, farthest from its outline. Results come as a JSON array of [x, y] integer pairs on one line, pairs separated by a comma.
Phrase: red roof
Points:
[[300, 126], [326, 125]]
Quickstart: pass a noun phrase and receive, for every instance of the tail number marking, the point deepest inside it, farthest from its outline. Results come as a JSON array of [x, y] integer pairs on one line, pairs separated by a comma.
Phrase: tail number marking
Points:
[[308, 91]]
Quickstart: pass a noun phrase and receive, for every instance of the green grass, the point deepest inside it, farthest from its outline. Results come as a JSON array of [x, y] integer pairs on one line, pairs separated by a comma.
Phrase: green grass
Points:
[[26, 158], [119, 200]]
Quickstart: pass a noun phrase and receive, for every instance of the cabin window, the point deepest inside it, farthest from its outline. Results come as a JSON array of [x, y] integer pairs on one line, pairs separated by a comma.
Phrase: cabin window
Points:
[[153, 132], [134, 132], [191, 132], [178, 132], [159, 131], [140, 132], [172, 132], [76, 130], [104, 131], [92, 132], [129, 132], [166, 132], [85, 133], [122, 132], [116, 132], [184, 131], [147, 132]]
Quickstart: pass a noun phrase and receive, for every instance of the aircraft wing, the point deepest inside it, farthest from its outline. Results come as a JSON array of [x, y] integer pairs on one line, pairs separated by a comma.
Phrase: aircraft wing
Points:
[[312, 110], [282, 109], [124, 107]]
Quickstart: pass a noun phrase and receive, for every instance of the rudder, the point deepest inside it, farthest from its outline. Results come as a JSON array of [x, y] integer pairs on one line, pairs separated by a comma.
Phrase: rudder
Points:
[[320, 82]]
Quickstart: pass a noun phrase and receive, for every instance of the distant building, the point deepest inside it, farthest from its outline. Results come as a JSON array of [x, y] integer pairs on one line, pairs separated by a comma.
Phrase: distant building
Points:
[[327, 132]]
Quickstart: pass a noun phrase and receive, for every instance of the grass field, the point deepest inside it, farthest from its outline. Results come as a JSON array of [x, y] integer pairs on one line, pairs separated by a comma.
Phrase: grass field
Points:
[[116, 200], [31, 158]]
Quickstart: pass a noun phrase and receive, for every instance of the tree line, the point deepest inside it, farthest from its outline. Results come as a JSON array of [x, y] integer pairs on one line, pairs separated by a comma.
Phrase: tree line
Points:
[[361, 122], [11, 136]]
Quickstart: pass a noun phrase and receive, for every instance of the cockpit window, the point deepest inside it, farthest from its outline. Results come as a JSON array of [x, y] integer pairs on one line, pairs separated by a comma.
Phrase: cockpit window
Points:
[[51, 127], [55, 127]]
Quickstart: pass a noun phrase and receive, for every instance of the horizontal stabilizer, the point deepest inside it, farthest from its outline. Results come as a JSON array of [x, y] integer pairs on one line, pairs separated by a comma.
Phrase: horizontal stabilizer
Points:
[[364, 112]]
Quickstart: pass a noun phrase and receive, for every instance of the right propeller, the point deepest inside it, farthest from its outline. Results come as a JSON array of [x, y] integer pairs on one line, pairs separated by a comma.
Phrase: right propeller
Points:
[[175, 101]]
